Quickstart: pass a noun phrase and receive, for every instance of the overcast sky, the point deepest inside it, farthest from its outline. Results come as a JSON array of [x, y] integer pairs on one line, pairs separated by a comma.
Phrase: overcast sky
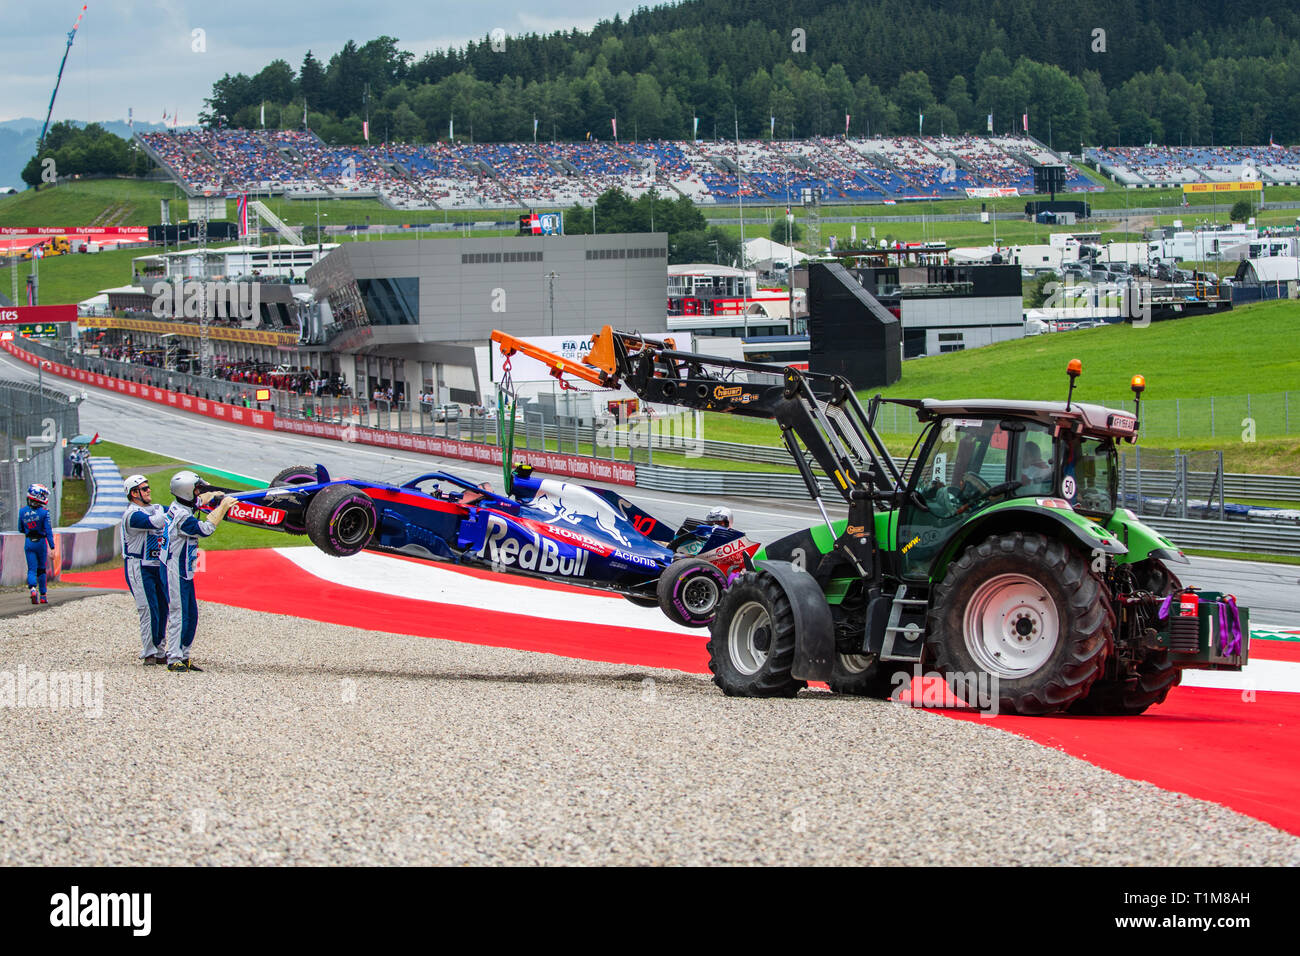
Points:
[[137, 53]]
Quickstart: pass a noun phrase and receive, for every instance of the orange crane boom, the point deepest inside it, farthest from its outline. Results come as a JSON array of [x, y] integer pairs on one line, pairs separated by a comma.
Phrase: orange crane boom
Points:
[[601, 358]]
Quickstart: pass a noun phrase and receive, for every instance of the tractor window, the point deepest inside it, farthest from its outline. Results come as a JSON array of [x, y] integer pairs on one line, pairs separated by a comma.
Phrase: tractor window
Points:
[[966, 452], [964, 459], [1034, 461], [1095, 477]]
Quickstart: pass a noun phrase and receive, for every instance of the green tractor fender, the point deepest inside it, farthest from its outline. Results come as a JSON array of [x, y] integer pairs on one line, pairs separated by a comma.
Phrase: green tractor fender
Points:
[[1142, 540], [1011, 516], [814, 628]]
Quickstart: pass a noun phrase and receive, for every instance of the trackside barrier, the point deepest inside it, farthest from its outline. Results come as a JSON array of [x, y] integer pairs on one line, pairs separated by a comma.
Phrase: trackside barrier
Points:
[[1236, 484], [695, 481], [187, 403], [1192, 533], [95, 538], [572, 466], [1228, 535]]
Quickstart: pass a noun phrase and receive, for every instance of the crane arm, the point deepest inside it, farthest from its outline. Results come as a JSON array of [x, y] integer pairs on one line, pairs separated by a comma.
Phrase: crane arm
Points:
[[821, 410], [72, 35]]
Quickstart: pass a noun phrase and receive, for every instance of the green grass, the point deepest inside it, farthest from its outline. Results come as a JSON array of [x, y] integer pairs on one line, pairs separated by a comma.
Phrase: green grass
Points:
[[1017, 233], [1260, 502], [75, 277], [1245, 556], [159, 468], [74, 503], [130, 459], [80, 203], [1251, 349]]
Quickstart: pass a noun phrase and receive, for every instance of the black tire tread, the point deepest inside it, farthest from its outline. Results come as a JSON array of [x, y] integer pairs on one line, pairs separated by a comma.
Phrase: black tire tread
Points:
[[876, 681], [668, 582], [774, 678], [321, 510], [1087, 623], [1157, 674], [280, 476]]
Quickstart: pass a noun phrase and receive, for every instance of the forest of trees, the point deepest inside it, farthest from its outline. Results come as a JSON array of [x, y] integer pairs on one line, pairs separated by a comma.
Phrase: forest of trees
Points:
[[1101, 72], [690, 238], [81, 151]]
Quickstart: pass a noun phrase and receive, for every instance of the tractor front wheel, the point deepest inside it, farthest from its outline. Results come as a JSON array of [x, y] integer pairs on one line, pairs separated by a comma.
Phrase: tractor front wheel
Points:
[[1157, 675], [752, 640], [1024, 616]]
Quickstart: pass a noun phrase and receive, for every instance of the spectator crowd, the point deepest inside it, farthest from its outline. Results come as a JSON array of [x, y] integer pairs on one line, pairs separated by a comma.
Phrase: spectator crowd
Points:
[[499, 175]]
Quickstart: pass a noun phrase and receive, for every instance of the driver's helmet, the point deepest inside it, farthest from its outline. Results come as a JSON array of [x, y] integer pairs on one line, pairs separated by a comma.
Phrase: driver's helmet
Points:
[[720, 515], [38, 495]]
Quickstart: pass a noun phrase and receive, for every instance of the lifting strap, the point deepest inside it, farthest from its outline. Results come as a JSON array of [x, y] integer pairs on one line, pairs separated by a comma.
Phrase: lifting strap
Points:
[[506, 432]]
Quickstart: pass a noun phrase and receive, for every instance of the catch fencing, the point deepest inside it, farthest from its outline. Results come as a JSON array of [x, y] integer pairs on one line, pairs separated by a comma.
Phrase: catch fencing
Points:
[[33, 424]]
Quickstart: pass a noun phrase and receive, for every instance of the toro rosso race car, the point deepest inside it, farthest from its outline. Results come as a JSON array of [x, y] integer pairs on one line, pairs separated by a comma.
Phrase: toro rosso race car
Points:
[[546, 528]]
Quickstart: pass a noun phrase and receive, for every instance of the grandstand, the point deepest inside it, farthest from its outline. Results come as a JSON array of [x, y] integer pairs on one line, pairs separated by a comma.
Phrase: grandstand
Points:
[[507, 175], [1155, 166]]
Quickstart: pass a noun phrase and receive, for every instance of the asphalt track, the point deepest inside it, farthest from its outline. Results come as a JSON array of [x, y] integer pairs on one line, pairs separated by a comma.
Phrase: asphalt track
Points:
[[1271, 591]]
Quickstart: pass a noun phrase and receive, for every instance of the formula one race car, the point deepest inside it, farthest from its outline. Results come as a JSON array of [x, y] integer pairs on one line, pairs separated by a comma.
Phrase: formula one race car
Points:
[[546, 528]]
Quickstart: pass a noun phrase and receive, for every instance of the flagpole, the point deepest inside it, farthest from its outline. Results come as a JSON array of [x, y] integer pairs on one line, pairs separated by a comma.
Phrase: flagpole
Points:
[[740, 195]]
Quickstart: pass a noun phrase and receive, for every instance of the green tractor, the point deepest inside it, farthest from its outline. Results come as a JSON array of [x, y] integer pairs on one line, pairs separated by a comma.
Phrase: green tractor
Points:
[[999, 556]]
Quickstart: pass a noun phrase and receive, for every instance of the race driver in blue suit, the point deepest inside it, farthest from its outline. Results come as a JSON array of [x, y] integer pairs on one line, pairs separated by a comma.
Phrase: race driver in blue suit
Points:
[[34, 523], [185, 528]]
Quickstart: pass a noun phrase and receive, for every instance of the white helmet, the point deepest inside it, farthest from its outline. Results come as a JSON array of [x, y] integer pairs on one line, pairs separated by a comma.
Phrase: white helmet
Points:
[[185, 486], [719, 515], [133, 482]]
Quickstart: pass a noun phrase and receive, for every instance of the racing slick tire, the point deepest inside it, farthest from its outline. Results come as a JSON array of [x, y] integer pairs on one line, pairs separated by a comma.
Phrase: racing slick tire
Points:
[[752, 640], [689, 591], [1157, 675], [1026, 614], [341, 520], [294, 475]]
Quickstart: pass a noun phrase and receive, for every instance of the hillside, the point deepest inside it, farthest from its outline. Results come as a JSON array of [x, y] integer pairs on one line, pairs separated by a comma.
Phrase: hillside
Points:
[[18, 143], [1249, 351], [1177, 71], [83, 203]]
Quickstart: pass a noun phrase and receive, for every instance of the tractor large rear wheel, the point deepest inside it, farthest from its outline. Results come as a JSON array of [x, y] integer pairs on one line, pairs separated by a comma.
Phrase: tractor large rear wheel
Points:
[[1023, 616], [752, 640]]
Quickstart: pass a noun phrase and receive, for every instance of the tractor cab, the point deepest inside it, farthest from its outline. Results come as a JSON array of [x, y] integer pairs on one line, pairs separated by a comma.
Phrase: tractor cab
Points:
[[978, 454]]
